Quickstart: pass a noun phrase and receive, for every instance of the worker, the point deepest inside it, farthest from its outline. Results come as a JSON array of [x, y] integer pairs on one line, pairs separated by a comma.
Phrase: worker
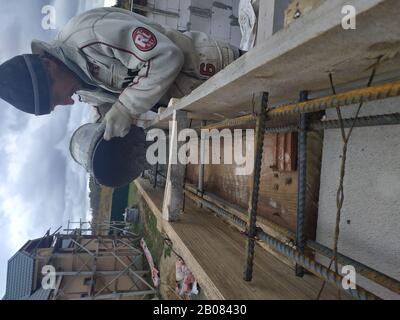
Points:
[[116, 59]]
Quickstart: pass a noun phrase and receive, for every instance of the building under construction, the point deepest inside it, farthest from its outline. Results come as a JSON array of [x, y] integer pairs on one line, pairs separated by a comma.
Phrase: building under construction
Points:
[[324, 192], [317, 217], [88, 262]]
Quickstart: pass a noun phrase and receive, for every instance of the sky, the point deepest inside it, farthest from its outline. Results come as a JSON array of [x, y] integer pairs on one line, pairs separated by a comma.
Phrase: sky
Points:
[[41, 186]]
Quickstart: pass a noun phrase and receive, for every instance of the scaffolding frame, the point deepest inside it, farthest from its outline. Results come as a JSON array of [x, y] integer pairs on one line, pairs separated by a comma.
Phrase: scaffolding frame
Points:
[[120, 248]]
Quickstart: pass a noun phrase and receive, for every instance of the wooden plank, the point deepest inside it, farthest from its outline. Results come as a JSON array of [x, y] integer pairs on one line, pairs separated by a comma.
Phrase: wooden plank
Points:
[[154, 200], [281, 234], [117, 295], [173, 196], [299, 57], [214, 252]]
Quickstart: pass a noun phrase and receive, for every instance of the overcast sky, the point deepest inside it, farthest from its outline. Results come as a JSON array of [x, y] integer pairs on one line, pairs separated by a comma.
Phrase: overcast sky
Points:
[[41, 187]]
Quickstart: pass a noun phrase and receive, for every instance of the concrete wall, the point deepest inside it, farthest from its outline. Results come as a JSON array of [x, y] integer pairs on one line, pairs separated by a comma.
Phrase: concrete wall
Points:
[[371, 213]]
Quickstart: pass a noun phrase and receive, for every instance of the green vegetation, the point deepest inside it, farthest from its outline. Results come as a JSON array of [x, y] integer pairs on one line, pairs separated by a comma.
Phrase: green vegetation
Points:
[[147, 227], [133, 195]]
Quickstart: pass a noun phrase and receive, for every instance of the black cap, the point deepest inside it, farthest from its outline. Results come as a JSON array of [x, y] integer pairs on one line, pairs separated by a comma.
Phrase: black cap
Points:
[[24, 83]]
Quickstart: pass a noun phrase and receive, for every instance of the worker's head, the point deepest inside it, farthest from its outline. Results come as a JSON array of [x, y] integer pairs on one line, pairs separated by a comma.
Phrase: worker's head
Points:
[[37, 84]]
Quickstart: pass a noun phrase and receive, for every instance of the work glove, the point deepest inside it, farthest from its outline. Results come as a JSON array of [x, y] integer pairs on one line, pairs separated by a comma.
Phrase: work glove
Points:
[[118, 121]]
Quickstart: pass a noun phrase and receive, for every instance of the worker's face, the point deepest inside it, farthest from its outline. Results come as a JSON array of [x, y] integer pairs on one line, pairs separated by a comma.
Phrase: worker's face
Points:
[[63, 83]]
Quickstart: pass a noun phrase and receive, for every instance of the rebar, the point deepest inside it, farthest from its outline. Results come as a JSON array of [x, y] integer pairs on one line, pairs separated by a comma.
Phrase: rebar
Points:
[[369, 121], [302, 183], [253, 203], [356, 96], [363, 270], [314, 267], [307, 263]]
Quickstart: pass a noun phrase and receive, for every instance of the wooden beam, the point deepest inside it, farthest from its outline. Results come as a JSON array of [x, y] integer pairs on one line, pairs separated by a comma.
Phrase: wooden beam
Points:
[[82, 247], [173, 195], [121, 273], [89, 273], [130, 247], [55, 292], [117, 295], [103, 254], [134, 272]]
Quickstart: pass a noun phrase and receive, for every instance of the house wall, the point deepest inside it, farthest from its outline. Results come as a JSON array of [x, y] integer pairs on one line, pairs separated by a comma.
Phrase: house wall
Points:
[[371, 215]]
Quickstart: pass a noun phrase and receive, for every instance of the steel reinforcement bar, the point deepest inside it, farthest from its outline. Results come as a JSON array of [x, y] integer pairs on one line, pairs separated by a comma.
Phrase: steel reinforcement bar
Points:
[[363, 270], [314, 267], [367, 94], [370, 121], [302, 260], [255, 186], [356, 96]]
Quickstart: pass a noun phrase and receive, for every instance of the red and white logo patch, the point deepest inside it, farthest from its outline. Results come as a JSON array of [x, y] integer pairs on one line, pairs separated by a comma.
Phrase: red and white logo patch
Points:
[[144, 39]]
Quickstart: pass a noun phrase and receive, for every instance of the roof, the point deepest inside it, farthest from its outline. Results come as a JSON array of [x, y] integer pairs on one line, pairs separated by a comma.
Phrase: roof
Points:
[[21, 268], [40, 294], [20, 272]]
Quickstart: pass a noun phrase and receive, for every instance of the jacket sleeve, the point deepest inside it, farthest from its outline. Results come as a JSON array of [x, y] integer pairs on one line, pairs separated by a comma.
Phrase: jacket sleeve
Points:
[[142, 47]]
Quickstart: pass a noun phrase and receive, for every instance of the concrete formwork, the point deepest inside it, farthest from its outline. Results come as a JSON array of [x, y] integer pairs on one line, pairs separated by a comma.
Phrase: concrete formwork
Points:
[[371, 215]]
